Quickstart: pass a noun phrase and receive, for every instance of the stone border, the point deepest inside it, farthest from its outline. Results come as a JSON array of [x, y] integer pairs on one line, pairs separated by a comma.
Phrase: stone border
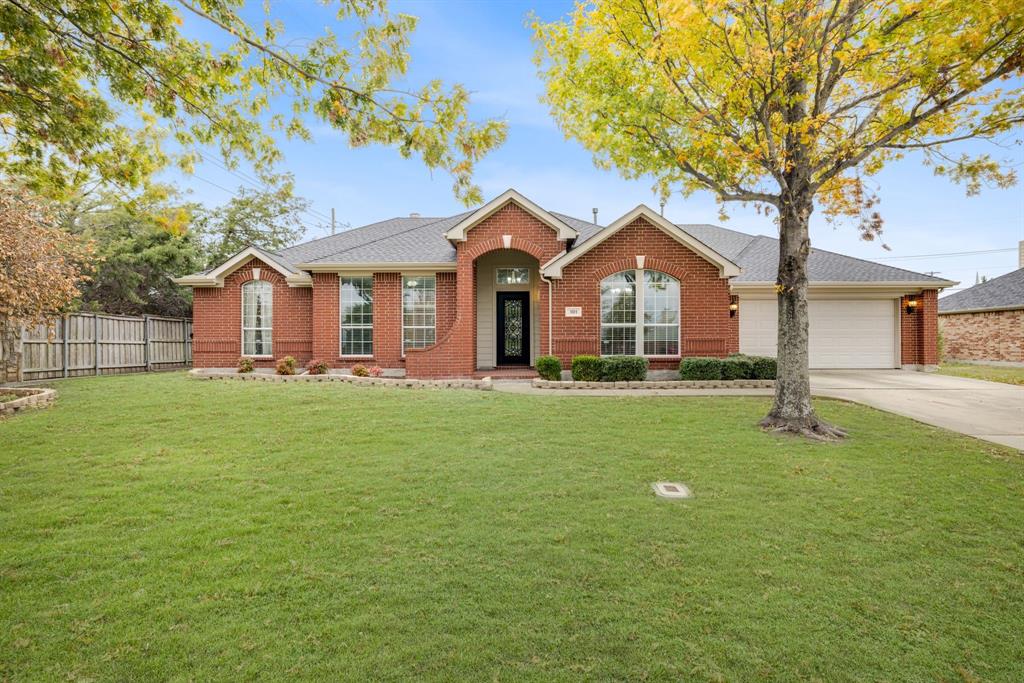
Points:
[[31, 398], [660, 384], [478, 384]]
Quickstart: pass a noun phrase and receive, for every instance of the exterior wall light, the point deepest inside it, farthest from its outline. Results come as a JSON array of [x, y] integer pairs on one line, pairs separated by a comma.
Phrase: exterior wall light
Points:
[[911, 306], [734, 305]]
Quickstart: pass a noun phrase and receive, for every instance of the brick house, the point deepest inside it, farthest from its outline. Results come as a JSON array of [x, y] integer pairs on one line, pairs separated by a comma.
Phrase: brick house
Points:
[[503, 284], [985, 323]]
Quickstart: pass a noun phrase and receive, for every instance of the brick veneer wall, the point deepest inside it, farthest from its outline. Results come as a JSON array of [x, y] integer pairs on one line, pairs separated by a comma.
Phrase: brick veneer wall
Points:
[[454, 354], [919, 330], [217, 319], [988, 336], [706, 329]]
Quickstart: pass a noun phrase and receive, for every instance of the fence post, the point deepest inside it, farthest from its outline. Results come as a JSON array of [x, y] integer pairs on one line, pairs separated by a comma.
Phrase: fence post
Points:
[[96, 342], [65, 352], [184, 342], [145, 338]]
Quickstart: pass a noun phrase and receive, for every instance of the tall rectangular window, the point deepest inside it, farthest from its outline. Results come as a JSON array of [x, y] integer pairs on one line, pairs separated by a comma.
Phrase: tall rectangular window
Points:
[[419, 311], [257, 318], [618, 314], [357, 316]]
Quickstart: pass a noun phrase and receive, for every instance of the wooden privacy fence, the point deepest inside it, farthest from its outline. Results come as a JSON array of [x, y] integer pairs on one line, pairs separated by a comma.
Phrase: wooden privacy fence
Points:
[[99, 344]]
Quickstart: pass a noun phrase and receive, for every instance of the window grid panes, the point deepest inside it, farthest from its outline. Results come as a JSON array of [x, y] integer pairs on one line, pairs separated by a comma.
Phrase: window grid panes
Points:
[[618, 314], [419, 300], [257, 318], [513, 276], [357, 316], [661, 314], [657, 332]]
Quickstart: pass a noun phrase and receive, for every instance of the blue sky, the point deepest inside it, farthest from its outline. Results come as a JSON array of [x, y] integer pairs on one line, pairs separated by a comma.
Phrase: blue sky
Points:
[[486, 46]]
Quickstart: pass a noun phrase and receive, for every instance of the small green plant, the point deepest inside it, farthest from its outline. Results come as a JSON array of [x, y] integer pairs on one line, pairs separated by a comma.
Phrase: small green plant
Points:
[[549, 367], [737, 367], [360, 370], [587, 368], [700, 368], [317, 367], [624, 369], [764, 367], [285, 366], [246, 364]]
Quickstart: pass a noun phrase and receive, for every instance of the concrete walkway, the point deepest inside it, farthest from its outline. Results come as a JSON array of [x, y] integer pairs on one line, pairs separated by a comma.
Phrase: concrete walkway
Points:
[[985, 410]]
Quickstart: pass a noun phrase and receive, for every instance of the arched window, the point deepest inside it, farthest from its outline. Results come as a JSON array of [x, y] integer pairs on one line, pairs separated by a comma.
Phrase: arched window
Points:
[[655, 331], [257, 318]]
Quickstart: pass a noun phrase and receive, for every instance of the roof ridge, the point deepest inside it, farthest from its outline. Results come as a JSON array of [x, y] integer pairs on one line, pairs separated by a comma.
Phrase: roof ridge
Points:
[[984, 285], [392, 235]]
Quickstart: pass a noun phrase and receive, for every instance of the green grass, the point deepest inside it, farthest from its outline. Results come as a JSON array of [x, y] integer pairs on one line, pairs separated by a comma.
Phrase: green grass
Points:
[[156, 527], [8, 396], [992, 373]]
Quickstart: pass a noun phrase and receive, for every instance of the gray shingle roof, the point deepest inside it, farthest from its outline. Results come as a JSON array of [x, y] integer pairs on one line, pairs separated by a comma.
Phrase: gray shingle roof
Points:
[[1005, 291], [421, 240]]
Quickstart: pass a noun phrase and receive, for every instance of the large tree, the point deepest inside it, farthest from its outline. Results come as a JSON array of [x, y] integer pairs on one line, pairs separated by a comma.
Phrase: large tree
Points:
[[787, 104], [41, 266], [140, 243], [94, 86]]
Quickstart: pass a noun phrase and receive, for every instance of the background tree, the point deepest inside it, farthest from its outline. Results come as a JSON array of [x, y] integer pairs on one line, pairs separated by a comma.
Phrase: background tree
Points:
[[92, 86], [140, 244], [787, 104], [40, 268], [269, 218]]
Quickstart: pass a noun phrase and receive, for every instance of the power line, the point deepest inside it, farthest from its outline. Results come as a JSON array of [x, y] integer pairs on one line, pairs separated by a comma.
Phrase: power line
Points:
[[950, 254], [312, 228]]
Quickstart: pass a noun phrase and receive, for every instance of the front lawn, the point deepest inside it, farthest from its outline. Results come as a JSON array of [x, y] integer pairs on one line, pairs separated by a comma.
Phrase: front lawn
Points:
[[156, 527], [992, 373]]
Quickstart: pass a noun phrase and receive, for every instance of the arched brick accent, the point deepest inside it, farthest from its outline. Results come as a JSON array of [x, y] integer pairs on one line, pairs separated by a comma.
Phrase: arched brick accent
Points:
[[217, 319]]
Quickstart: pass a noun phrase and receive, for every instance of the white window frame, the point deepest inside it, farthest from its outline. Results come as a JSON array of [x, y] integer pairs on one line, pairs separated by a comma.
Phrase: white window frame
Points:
[[639, 284], [341, 317], [405, 279], [249, 286], [497, 276]]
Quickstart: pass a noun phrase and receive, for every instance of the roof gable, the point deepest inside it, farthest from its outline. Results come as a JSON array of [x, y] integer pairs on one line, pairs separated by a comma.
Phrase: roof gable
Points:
[[726, 267], [215, 276], [457, 233]]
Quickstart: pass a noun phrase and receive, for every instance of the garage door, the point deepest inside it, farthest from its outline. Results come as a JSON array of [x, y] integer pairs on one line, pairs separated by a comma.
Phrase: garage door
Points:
[[844, 333]]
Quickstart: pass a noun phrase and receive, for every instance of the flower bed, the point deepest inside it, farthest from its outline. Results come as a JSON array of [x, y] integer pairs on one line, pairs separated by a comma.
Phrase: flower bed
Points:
[[660, 384], [25, 398], [222, 373]]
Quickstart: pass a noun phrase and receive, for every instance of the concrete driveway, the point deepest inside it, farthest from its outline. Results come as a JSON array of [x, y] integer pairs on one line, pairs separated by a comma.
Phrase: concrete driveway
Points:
[[986, 410]]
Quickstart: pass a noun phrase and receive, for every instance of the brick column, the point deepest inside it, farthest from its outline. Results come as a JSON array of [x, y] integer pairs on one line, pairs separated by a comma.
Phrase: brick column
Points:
[[325, 316], [387, 320]]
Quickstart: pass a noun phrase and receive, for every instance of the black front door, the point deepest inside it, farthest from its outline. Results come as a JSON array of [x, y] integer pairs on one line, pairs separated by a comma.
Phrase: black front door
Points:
[[513, 328]]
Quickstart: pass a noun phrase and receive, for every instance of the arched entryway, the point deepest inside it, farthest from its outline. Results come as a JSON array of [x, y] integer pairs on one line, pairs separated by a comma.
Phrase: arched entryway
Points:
[[508, 312]]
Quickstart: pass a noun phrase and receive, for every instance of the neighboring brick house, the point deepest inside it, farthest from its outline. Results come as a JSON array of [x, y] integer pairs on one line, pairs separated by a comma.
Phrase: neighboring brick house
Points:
[[986, 322], [503, 284]]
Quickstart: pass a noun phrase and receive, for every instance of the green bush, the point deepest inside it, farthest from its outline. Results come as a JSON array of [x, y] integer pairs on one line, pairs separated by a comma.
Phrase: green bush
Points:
[[285, 366], [246, 364], [737, 367], [549, 367], [360, 370], [587, 368], [700, 368], [764, 367], [624, 369]]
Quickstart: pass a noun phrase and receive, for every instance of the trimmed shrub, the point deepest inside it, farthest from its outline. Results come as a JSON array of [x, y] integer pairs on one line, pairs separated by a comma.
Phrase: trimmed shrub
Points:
[[765, 367], [317, 367], [587, 368], [285, 366], [700, 368], [624, 369], [737, 367], [376, 371], [360, 370], [246, 364], [549, 367]]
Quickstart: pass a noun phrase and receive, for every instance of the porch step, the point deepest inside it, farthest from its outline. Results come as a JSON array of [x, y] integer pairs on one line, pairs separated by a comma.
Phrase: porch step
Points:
[[506, 373]]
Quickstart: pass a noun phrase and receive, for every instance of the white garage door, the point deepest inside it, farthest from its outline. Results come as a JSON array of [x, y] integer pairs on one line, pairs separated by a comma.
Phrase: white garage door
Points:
[[844, 333]]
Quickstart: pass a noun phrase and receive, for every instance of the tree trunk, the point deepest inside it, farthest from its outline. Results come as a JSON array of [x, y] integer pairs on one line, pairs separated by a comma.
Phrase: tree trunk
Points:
[[10, 351], [792, 410]]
